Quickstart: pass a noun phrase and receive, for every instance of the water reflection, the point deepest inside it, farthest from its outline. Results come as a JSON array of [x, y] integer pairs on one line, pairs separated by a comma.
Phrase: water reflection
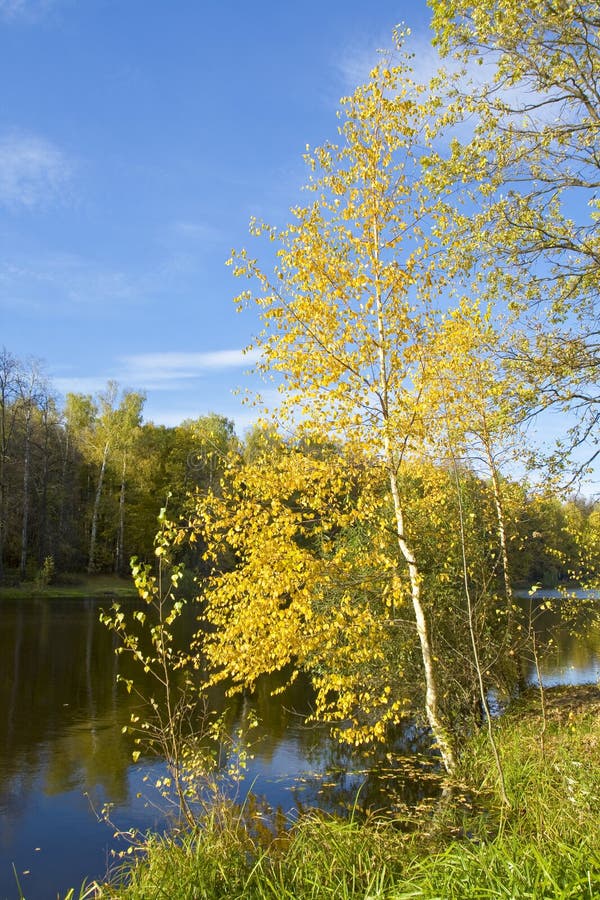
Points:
[[63, 753], [568, 637]]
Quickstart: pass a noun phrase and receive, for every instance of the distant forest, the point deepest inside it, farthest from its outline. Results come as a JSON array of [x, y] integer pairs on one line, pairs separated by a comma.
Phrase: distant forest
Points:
[[82, 484]]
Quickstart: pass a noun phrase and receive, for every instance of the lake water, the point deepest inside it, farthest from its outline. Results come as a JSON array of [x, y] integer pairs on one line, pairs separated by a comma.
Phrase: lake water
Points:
[[63, 754]]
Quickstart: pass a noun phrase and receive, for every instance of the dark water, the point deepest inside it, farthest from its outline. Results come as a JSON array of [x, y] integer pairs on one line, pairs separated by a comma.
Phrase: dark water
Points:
[[63, 754]]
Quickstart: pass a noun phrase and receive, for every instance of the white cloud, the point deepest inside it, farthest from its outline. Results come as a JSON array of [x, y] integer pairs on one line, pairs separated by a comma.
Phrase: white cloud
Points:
[[13, 9], [194, 232], [356, 60], [33, 172], [187, 245], [178, 386], [168, 367]]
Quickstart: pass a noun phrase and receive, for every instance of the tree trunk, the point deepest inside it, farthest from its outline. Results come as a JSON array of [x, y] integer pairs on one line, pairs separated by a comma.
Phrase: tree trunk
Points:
[[501, 531], [121, 533], [25, 519], [63, 495], [432, 707], [3, 506], [44, 537], [500, 518], [94, 528]]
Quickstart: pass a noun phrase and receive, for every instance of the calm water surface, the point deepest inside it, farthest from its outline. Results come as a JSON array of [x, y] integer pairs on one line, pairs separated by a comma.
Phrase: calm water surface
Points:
[[63, 754]]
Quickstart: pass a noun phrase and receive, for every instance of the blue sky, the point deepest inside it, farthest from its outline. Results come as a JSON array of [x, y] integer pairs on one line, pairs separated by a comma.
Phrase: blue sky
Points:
[[136, 141]]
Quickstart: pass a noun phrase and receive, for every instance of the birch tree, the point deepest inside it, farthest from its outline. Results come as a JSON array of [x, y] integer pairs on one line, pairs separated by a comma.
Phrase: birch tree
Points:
[[128, 419], [32, 391], [112, 428], [483, 409], [352, 300]]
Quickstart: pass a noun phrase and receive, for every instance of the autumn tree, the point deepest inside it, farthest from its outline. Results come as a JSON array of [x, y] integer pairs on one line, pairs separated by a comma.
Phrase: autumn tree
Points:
[[26, 411], [352, 301], [210, 439], [78, 415], [480, 409], [128, 418], [304, 579], [47, 475]]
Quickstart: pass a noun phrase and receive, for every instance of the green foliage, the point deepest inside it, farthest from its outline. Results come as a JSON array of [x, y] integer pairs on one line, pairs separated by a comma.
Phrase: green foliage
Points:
[[45, 576]]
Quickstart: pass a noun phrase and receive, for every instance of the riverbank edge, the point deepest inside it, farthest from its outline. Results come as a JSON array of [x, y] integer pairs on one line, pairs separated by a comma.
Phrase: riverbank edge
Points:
[[547, 844], [78, 586]]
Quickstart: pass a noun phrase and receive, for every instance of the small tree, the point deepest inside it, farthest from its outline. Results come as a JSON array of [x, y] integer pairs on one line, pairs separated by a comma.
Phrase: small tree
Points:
[[171, 729]]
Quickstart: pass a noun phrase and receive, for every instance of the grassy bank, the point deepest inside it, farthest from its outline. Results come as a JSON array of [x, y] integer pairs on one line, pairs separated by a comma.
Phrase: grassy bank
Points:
[[547, 845], [72, 586]]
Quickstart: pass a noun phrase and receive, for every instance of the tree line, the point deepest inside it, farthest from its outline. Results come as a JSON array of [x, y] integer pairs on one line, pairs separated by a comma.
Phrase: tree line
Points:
[[82, 482]]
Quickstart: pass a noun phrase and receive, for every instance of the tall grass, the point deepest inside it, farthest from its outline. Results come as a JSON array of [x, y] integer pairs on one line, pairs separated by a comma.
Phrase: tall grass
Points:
[[467, 846]]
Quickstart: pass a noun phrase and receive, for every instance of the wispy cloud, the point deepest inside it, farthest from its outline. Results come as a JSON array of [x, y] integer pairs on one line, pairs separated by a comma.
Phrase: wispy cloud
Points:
[[357, 60], [66, 281], [425, 62], [162, 369], [186, 245], [33, 171], [25, 11], [159, 371], [178, 385]]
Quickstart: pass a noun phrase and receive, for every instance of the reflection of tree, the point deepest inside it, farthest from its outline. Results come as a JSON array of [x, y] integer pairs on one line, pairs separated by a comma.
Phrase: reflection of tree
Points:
[[89, 755], [388, 778], [59, 717], [61, 712], [11, 705], [572, 652], [281, 717], [336, 778], [567, 636]]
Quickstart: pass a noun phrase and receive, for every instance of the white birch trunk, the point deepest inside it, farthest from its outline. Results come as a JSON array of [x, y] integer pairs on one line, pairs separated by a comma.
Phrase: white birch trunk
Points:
[[94, 528], [25, 517]]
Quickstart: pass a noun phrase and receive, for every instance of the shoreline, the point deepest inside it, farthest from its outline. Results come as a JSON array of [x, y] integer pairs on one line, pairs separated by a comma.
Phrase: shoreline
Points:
[[74, 587]]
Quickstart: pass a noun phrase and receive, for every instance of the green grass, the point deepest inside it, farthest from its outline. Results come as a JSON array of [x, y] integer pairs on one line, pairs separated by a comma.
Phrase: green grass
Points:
[[69, 586], [547, 845]]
